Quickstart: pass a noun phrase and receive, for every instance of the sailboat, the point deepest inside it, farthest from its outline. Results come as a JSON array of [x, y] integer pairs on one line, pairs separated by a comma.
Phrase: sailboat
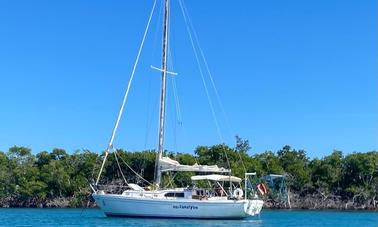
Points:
[[225, 199]]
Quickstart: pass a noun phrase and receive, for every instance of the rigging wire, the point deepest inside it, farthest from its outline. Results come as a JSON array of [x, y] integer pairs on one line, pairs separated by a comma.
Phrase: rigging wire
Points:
[[201, 73], [148, 114], [203, 80], [212, 81], [157, 29], [170, 67], [131, 78], [177, 123], [174, 120], [177, 106], [208, 71], [148, 131], [137, 174], [177, 102], [119, 167], [177, 109], [174, 89], [110, 145], [170, 182], [190, 28], [210, 75], [153, 55]]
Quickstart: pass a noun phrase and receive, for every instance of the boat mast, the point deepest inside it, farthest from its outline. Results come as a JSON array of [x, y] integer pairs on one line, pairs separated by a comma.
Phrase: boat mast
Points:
[[157, 178]]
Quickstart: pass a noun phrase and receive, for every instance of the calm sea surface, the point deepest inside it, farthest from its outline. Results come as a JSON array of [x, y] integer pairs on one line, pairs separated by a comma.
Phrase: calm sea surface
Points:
[[94, 217]]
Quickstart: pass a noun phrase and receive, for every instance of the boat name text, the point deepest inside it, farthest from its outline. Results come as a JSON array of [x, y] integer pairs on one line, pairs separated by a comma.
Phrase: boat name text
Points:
[[188, 207]]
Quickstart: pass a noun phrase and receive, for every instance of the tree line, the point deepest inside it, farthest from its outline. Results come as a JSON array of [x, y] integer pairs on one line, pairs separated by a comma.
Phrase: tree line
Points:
[[57, 178]]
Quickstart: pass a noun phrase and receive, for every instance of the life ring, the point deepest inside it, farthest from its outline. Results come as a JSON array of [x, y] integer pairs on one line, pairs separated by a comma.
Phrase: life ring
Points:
[[238, 193]]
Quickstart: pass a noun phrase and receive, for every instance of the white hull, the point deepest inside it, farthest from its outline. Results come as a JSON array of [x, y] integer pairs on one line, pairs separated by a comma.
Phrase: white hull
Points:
[[121, 205]]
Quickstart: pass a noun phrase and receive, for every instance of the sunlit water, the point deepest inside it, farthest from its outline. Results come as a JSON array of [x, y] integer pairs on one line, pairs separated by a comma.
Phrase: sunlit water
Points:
[[94, 217]]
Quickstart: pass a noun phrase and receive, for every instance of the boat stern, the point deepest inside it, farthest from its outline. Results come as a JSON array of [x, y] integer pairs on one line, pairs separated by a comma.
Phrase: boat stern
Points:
[[253, 207]]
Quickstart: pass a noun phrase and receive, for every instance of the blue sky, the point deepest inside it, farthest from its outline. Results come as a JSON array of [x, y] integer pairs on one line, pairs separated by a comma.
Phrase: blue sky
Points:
[[302, 73]]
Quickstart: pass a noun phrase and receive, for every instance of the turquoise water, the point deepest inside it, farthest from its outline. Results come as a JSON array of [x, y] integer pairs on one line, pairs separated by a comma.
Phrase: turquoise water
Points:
[[94, 217]]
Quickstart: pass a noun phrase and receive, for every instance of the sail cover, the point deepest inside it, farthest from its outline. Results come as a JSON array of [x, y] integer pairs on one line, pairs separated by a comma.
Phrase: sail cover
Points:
[[215, 177], [168, 164]]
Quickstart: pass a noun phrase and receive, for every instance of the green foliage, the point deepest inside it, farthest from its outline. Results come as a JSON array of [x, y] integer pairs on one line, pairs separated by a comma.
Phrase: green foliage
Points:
[[295, 164], [58, 174], [360, 174], [269, 163], [326, 173], [5, 176]]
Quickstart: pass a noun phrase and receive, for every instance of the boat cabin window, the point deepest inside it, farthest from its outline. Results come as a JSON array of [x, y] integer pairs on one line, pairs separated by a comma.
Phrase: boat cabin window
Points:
[[173, 194], [201, 192]]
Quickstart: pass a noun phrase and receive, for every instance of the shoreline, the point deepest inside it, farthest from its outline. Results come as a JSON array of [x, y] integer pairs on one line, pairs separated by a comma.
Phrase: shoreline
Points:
[[295, 205]]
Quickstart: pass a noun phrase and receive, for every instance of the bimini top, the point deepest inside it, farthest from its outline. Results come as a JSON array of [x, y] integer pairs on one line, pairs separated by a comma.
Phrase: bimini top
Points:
[[167, 164], [215, 177]]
